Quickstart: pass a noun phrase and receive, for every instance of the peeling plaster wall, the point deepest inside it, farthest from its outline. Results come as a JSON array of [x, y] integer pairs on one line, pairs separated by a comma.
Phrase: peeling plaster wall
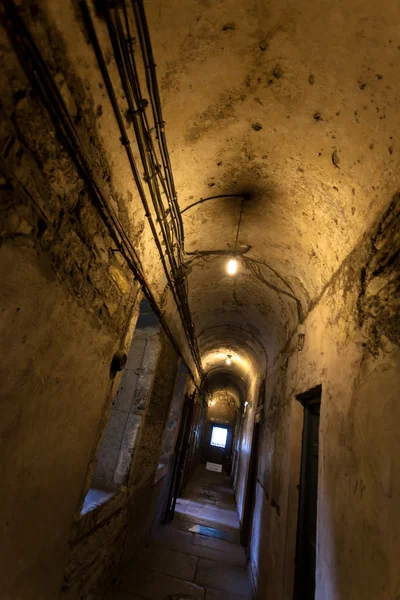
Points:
[[352, 349], [55, 374], [68, 303], [294, 104], [66, 300], [41, 164]]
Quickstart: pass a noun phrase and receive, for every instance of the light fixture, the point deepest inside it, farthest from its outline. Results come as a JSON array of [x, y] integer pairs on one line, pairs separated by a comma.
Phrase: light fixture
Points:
[[228, 359], [246, 407], [301, 333], [232, 266]]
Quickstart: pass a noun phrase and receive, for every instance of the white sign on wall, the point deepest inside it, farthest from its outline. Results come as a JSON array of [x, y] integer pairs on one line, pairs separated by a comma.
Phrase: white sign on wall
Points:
[[214, 467]]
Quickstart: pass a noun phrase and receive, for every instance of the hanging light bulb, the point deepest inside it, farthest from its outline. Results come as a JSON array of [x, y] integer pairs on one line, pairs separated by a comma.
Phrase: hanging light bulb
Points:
[[232, 266], [228, 360]]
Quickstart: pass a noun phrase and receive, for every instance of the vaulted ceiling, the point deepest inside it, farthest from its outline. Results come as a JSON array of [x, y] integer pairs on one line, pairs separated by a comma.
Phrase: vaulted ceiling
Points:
[[291, 108], [282, 126]]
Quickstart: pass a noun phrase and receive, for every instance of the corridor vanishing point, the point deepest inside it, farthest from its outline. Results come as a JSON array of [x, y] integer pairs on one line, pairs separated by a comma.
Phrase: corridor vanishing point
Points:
[[200, 299]]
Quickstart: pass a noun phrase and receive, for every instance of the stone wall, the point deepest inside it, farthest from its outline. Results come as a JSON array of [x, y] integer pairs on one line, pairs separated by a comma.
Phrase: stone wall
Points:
[[55, 375], [67, 299], [351, 348], [172, 427], [120, 437], [149, 493], [69, 302], [101, 537]]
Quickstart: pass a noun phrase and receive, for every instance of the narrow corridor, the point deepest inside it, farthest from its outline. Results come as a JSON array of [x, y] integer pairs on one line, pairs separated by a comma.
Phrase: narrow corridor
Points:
[[200, 262], [198, 556]]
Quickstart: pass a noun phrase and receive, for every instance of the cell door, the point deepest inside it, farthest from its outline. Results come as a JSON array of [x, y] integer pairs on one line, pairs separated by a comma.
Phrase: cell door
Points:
[[304, 587]]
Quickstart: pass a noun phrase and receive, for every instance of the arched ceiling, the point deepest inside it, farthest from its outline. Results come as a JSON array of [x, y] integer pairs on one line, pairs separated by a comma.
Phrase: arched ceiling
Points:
[[295, 105], [223, 396], [284, 111], [226, 380]]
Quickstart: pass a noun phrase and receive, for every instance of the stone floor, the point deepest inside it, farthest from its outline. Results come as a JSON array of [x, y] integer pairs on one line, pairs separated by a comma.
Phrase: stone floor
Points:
[[198, 556]]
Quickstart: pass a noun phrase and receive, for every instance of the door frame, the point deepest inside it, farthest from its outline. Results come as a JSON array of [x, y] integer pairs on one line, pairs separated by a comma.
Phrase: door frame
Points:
[[181, 447], [307, 399]]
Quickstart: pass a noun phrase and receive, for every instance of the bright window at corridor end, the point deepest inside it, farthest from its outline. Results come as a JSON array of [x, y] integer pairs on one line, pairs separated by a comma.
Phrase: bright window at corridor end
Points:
[[218, 436]]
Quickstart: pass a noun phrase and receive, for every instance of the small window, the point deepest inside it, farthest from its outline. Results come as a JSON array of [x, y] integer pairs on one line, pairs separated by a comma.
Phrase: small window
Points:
[[218, 436]]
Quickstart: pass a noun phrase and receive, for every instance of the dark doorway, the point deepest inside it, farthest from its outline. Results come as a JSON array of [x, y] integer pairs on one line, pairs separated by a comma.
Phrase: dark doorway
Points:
[[304, 583], [251, 486], [192, 456]]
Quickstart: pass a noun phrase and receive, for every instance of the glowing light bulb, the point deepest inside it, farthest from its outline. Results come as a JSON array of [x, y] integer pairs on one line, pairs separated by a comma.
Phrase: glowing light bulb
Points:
[[228, 361], [232, 266]]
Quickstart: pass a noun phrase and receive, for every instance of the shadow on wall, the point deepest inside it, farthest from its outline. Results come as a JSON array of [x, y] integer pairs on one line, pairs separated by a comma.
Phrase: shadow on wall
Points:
[[128, 488], [116, 449], [351, 348]]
